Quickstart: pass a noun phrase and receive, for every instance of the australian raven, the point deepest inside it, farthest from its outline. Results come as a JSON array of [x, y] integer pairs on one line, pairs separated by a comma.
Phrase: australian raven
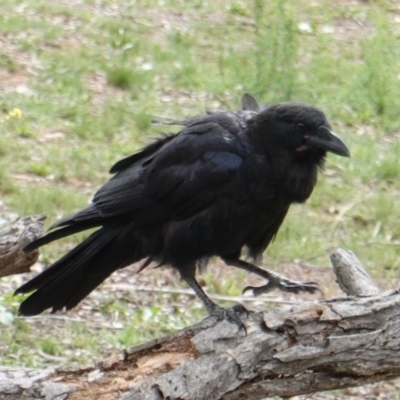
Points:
[[220, 186]]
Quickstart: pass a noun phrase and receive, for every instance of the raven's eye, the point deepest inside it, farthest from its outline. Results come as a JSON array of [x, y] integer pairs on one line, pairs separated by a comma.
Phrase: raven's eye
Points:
[[300, 127]]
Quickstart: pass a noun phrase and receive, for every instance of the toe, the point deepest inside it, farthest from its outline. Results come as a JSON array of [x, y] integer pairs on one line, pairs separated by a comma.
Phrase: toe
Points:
[[231, 315], [284, 285], [240, 309]]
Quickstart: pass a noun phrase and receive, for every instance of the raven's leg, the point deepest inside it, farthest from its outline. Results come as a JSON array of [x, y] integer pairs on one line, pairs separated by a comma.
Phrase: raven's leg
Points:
[[275, 281], [213, 309]]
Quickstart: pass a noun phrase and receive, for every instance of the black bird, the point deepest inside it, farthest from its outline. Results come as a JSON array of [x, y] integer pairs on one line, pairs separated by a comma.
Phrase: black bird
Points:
[[220, 186]]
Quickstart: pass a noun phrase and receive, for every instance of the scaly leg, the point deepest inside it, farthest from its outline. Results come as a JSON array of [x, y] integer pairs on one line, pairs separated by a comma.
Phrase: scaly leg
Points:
[[275, 281], [230, 314]]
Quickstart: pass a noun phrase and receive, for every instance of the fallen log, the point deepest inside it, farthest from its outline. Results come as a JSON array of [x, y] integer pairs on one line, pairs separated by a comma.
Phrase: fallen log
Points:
[[297, 349]]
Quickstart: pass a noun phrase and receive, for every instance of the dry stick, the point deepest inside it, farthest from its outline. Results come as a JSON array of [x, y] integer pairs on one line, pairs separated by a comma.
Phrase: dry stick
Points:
[[189, 292], [290, 350]]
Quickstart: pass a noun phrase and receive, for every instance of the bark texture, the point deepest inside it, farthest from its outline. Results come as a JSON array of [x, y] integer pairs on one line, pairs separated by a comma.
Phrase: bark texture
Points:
[[292, 350], [13, 239]]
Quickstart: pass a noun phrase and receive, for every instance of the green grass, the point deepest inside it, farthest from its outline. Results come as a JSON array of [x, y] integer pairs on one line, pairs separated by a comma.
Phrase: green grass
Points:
[[88, 81]]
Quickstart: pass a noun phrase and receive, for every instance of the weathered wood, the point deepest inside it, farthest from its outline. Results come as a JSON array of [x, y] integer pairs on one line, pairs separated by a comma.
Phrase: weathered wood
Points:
[[28, 383], [351, 275], [292, 350], [353, 342], [14, 238]]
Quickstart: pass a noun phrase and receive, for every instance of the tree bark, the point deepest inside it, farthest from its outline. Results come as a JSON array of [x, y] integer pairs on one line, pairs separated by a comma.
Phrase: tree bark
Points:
[[298, 349], [14, 238], [13, 260]]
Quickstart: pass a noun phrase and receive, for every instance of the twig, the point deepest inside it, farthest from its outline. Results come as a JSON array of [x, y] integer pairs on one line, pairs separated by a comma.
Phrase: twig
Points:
[[188, 292]]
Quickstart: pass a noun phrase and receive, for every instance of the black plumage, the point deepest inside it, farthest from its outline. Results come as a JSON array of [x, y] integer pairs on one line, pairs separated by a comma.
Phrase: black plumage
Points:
[[220, 186]]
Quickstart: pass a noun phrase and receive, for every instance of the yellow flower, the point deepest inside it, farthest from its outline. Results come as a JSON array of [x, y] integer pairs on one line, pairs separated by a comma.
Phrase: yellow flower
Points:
[[15, 113]]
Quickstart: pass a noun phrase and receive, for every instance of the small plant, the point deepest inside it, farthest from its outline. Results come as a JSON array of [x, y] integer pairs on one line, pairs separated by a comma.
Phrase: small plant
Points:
[[276, 48], [120, 77], [49, 346]]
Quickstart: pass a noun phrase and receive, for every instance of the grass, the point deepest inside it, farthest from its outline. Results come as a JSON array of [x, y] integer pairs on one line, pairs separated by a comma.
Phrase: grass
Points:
[[87, 80]]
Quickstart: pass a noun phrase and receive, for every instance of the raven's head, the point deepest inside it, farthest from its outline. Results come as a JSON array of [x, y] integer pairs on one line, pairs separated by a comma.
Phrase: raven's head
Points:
[[299, 128]]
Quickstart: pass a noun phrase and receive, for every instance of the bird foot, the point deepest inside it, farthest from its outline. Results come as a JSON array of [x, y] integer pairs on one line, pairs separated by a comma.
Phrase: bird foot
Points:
[[285, 285], [240, 309], [232, 315]]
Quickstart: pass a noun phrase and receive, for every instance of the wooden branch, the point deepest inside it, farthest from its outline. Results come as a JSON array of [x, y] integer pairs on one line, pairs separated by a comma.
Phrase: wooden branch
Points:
[[351, 276], [13, 239], [292, 350]]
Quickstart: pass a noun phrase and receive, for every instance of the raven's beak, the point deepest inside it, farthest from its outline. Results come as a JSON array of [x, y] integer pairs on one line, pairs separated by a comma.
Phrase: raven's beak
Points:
[[329, 141]]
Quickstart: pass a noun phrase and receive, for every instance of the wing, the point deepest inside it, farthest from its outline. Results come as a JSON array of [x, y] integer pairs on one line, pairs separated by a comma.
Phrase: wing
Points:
[[174, 178], [142, 155]]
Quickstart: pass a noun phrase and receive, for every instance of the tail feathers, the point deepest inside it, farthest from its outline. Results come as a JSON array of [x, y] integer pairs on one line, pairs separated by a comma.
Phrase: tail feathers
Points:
[[88, 214], [70, 262], [58, 234], [74, 276], [80, 221], [65, 294]]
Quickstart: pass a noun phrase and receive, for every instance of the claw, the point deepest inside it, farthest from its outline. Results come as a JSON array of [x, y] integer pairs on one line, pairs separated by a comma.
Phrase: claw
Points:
[[284, 285]]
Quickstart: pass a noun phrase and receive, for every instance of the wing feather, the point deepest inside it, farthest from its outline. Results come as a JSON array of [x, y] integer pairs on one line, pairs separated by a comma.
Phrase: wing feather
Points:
[[173, 178]]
